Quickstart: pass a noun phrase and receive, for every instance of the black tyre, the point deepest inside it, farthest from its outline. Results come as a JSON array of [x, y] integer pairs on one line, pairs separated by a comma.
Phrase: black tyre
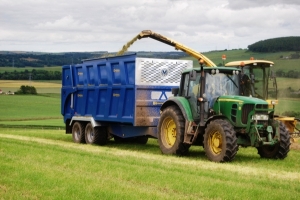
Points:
[[97, 135], [78, 132], [280, 150], [141, 139], [138, 140], [220, 141], [101, 135], [119, 139], [171, 128]]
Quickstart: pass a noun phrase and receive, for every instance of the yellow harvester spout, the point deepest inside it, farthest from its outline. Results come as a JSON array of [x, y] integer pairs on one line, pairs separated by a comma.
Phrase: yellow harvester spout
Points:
[[177, 45]]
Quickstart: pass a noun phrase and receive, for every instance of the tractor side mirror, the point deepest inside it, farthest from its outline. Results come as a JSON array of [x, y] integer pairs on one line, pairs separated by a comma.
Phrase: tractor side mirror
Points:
[[175, 91], [193, 75]]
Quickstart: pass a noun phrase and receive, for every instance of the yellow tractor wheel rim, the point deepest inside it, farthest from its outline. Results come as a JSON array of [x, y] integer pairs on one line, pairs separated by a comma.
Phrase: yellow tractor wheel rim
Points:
[[215, 142], [169, 131]]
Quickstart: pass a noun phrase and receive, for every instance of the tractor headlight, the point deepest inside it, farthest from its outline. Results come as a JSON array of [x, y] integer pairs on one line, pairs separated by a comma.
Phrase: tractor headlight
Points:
[[260, 117]]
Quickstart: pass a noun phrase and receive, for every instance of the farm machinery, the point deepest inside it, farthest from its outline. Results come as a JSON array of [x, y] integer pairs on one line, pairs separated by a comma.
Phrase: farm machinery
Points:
[[168, 41], [258, 80], [129, 97]]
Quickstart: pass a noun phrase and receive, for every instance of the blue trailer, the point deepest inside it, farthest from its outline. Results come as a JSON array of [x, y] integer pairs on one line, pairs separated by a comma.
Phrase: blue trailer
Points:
[[117, 97]]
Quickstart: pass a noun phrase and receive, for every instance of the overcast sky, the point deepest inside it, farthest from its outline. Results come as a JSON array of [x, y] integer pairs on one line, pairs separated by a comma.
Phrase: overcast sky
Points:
[[106, 25]]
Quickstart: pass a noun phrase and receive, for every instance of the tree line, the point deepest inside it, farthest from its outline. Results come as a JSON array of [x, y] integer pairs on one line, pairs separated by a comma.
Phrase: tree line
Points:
[[44, 59], [276, 44], [26, 89], [10, 59], [33, 74], [289, 74]]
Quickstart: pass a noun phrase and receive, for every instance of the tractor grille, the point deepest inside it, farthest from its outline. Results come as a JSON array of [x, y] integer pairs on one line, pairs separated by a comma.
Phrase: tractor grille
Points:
[[259, 122], [234, 112], [247, 108], [261, 106]]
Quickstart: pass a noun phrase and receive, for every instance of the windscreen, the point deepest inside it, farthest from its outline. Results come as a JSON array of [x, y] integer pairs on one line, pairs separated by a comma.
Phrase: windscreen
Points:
[[220, 84], [261, 84]]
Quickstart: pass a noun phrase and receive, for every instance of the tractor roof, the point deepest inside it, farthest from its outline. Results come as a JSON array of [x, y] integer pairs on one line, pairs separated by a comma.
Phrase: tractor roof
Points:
[[221, 69], [264, 63]]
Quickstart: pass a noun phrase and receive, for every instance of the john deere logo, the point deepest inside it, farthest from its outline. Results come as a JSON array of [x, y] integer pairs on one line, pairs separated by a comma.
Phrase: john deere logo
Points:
[[164, 72]]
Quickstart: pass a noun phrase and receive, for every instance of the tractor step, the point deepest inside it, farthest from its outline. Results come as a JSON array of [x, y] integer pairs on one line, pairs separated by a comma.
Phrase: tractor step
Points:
[[190, 134]]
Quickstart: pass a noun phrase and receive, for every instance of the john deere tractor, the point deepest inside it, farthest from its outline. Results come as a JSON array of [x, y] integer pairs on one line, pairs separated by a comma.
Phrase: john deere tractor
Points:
[[207, 109], [258, 80]]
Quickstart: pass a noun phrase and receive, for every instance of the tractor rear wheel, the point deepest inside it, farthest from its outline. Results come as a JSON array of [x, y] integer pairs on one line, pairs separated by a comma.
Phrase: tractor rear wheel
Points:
[[220, 142], [171, 128], [78, 132], [97, 135], [279, 150]]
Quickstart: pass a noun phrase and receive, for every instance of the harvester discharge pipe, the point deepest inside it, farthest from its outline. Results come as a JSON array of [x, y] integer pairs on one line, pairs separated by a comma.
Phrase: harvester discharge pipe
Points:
[[163, 39]]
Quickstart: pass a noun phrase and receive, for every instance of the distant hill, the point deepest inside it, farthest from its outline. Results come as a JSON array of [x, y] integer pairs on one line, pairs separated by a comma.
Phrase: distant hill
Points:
[[276, 44], [40, 59]]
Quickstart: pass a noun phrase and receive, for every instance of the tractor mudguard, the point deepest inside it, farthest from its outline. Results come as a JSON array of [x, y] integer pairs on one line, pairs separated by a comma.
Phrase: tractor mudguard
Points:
[[183, 105]]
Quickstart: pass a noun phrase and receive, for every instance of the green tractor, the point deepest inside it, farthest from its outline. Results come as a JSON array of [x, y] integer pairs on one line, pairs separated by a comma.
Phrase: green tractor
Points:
[[258, 80], [207, 110]]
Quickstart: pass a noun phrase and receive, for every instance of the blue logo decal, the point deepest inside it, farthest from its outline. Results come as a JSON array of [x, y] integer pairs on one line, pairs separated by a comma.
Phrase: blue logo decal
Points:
[[163, 95], [164, 72]]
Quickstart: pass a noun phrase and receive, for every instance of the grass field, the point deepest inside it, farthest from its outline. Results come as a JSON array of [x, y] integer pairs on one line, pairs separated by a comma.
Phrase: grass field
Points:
[[46, 164], [31, 110], [41, 86], [38, 110], [39, 161], [286, 104], [285, 83]]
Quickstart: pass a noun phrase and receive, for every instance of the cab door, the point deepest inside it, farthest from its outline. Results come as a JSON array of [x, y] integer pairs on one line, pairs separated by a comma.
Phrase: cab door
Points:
[[191, 91]]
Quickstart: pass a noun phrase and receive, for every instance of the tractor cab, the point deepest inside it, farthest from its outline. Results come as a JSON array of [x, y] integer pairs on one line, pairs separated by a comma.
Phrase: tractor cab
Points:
[[216, 82], [257, 79]]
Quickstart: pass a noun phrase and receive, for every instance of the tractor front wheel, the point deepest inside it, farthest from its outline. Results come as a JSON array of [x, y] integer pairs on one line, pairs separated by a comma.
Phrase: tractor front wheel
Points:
[[171, 128], [279, 150], [220, 142]]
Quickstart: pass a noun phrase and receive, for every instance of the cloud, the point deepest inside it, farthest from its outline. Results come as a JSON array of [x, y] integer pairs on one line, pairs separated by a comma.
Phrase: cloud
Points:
[[67, 23], [245, 4], [92, 25]]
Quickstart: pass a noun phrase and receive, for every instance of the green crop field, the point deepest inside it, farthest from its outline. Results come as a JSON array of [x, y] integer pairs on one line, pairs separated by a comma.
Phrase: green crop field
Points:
[[41, 86], [286, 104], [40, 161], [285, 83], [46, 164], [31, 110]]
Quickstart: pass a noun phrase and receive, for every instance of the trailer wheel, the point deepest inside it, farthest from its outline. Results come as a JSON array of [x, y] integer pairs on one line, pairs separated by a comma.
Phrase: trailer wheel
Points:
[[138, 140], [220, 142], [101, 135], [78, 132], [141, 139], [281, 149], [97, 135], [171, 132], [119, 139]]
